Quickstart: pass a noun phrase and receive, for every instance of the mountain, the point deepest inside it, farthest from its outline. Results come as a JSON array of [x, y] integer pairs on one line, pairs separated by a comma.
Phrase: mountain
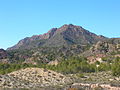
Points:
[[64, 36], [62, 43]]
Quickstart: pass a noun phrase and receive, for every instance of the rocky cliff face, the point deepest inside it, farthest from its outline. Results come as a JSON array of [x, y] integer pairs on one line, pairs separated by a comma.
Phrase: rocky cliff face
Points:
[[65, 35]]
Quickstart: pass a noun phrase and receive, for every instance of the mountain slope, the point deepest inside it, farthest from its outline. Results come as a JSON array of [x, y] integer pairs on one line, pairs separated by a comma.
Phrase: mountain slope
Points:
[[65, 35]]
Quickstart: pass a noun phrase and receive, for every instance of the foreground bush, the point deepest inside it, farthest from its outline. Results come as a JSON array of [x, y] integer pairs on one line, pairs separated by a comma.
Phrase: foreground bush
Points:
[[116, 67]]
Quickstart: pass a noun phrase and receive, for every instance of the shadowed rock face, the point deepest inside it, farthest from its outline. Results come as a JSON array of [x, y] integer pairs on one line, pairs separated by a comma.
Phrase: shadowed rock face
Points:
[[65, 35], [3, 54]]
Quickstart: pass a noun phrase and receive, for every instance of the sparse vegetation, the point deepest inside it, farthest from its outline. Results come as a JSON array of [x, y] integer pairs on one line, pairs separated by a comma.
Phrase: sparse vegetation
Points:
[[7, 68], [116, 67], [70, 66]]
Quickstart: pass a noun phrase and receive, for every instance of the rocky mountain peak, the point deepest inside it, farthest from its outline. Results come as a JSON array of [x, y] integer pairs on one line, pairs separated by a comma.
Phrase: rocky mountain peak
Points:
[[49, 34], [68, 27], [65, 35]]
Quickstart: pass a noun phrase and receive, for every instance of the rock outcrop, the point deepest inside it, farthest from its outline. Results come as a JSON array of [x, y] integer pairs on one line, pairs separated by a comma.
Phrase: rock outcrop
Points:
[[53, 62], [102, 47]]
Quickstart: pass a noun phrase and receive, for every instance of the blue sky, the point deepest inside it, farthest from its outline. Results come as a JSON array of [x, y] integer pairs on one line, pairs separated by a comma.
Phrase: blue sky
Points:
[[24, 18]]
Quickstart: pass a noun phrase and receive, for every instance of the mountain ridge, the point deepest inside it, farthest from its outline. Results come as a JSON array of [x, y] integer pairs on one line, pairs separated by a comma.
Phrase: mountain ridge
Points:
[[65, 35]]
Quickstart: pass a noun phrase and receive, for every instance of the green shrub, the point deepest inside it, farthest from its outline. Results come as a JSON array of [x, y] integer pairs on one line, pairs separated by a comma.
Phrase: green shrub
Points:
[[116, 67]]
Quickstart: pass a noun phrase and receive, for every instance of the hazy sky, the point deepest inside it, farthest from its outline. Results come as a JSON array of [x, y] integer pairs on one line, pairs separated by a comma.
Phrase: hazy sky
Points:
[[24, 18]]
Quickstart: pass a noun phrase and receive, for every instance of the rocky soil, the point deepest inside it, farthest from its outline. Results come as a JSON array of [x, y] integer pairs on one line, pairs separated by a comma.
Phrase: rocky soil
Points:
[[96, 81], [33, 78], [88, 86], [42, 79]]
